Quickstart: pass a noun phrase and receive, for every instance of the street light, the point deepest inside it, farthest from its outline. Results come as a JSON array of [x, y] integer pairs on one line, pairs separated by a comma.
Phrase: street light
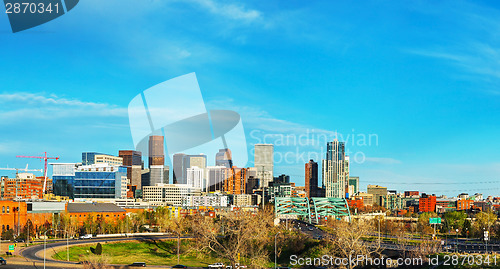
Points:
[[275, 250], [45, 243]]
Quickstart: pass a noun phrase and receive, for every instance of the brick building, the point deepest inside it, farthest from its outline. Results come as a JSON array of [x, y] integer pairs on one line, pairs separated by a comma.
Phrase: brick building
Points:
[[427, 203]]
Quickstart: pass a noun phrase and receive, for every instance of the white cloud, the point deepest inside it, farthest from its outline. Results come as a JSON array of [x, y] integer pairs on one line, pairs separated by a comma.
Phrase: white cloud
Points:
[[231, 11], [16, 107]]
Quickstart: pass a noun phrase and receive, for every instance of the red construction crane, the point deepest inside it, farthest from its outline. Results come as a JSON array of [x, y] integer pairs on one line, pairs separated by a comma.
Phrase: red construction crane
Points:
[[45, 158]]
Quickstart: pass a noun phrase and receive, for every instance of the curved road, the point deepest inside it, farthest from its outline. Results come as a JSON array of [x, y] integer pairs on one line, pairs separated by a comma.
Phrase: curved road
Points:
[[30, 252]]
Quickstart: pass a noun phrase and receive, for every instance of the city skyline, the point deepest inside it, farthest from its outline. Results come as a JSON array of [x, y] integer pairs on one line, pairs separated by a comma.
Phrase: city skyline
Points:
[[424, 83]]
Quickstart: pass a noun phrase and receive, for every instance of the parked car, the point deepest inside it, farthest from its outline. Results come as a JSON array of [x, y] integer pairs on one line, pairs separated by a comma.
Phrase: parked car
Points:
[[19, 240], [2, 261], [87, 236], [216, 265], [138, 264], [310, 228], [179, 266]]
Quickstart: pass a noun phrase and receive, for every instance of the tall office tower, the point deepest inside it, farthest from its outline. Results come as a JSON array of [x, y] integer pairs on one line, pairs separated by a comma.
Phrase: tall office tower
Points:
[[133, 161], [353, 185], [346, 175], [264, 163], [311, 179], [179, 173], [235, 180], [215, 178], [224, 158], [156, 150], [156, 160], [334, 177], [195, 177], [199, 160]]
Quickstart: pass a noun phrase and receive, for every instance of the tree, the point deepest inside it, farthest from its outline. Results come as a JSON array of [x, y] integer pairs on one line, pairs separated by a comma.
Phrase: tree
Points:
[[237, 234], [179, 227], [347, 240], [454, 220]]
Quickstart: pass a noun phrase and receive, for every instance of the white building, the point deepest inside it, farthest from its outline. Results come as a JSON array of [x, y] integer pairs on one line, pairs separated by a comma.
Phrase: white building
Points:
[[215, 176], [206, 200], [171, 194], [242, 200], [264, 163], [195, 176]]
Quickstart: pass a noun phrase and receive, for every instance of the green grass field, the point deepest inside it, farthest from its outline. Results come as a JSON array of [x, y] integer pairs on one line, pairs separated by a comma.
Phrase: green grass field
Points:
[[148, 251]]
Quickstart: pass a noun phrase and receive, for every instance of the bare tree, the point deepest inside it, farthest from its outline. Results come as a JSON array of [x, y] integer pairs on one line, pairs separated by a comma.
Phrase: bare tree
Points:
[[235, 235]]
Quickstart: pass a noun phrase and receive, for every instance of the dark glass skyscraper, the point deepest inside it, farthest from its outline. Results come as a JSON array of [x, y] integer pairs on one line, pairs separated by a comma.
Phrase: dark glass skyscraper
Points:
[[312, 179], [224, 158]]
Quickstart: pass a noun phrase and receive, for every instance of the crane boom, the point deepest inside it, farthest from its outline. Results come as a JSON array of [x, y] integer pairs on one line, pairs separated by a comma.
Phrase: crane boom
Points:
[[45, 158]]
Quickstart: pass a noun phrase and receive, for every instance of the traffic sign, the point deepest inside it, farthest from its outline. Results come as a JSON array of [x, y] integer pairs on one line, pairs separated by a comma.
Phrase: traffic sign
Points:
[[434, 220], [11, 248]]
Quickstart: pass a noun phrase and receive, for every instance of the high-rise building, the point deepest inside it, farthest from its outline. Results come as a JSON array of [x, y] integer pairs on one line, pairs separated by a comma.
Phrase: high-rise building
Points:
[[353, 186], [334, 171], [179, 168], [156, 160], [224, 158], [311, 179], [264, 163], [156, 150], [215, 178], [378, 192], [133, 161], [235, 180], [196, 177]]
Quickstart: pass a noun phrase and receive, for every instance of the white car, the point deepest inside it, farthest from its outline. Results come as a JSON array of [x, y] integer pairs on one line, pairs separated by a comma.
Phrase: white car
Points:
[[216, 265], [87, 236]]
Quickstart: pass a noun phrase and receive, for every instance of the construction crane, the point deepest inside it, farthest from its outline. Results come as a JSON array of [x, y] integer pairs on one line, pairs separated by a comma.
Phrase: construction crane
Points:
[[22, 169], [45, 158]]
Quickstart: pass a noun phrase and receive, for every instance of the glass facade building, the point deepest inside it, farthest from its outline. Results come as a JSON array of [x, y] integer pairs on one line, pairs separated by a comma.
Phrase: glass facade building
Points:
[[101, 182]]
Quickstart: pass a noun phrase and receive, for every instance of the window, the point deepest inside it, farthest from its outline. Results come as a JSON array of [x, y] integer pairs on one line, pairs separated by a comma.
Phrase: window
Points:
[[8, 211], [3, 209]]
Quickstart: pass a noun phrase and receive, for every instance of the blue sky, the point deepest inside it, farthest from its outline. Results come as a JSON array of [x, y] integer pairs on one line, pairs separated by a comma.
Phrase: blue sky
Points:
[[422, 76]]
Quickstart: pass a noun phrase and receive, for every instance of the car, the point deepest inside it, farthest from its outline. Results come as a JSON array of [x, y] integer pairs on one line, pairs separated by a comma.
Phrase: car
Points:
[[179, 266], [19, 240], [216, 265], [138, 264], [310, 228], [87, 236], [3, 261]]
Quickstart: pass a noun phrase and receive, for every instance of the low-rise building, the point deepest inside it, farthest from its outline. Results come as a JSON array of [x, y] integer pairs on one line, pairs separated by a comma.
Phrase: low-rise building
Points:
[[171, 194]]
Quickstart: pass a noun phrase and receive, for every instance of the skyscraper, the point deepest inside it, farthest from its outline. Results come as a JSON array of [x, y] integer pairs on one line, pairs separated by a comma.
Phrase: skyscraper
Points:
[[311, 179], [133, 161], [264, 163], [179, 173], [156, 150], [156, 160], [215, 178], [334, 173], [196, 177], [224, 158]]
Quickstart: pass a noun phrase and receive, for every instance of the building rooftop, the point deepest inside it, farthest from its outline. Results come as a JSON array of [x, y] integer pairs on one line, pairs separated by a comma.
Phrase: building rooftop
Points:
[[93, 207]]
